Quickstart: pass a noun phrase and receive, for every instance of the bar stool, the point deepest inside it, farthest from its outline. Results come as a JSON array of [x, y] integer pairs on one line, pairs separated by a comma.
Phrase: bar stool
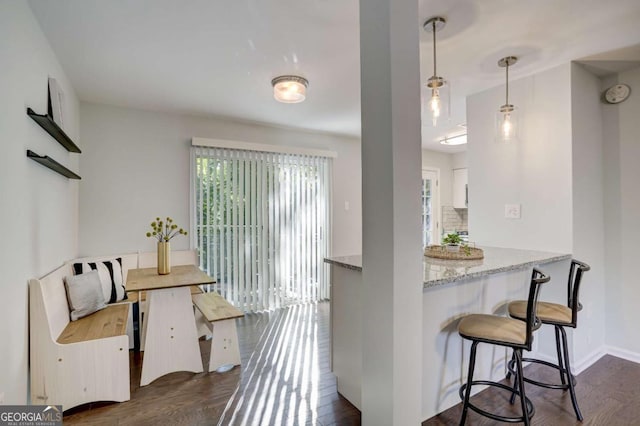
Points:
[[502, 331], [559, 316]]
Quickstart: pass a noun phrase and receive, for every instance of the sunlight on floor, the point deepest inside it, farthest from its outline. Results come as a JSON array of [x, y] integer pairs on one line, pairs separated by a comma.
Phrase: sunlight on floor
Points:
[[279, 384]]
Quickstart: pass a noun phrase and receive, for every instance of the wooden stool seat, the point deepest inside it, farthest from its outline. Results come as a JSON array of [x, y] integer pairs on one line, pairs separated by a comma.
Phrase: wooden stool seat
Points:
[[548, 313], [216, 317], [492, 328]]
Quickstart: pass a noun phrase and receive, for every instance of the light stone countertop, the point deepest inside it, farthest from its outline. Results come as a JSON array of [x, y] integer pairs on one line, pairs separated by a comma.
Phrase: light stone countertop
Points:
[[438, 272]]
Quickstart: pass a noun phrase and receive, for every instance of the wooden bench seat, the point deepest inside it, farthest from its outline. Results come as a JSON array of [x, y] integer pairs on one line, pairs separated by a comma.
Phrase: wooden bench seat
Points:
[[217, 317], [215, 307], [108, 322]]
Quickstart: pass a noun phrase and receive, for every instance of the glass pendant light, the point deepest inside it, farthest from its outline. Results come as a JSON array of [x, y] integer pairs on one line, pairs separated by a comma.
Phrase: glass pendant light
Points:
[[507, 116], [437, 97]]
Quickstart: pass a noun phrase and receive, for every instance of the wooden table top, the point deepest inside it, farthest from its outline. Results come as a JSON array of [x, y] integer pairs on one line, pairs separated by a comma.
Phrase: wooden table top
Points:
[[180, 276]]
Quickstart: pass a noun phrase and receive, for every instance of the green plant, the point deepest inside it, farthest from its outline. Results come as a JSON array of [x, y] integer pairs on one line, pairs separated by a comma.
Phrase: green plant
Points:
[[164, 231], [452, 239]]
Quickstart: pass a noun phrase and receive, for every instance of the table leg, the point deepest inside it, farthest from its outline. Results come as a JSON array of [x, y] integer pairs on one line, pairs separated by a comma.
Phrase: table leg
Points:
[[141, 320], [171, 341]]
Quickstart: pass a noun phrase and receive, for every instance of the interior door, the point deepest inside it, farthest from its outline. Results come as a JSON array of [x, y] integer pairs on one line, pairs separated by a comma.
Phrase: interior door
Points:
[[430, 206]]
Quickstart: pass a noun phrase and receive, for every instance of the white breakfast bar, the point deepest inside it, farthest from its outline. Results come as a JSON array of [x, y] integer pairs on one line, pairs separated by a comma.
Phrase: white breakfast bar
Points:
[[451, 289]]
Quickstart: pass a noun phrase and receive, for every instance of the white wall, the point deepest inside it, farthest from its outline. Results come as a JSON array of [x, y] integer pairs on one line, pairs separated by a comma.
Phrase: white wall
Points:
[[459, 160], [136, 166], [534, 172], [39, 208], [588, 209], [622, 203]]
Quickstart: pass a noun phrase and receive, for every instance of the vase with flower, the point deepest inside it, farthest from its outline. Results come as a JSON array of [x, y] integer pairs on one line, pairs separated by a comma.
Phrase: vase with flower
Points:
[[164, 231]]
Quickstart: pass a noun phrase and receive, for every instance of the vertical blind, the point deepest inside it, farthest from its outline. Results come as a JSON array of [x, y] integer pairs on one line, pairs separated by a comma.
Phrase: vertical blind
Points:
[[262, 225]]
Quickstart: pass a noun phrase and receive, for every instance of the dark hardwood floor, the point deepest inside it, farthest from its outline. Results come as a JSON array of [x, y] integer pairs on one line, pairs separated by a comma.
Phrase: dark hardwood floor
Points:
[[285, 380], [608, 394]]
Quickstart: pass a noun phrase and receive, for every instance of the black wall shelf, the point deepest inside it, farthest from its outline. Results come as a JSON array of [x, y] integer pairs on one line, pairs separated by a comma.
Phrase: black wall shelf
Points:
[[52, 164], [46, 122]]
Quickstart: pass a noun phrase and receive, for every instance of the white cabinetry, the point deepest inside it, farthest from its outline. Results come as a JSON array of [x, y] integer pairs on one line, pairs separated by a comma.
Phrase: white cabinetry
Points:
[[460, 188]]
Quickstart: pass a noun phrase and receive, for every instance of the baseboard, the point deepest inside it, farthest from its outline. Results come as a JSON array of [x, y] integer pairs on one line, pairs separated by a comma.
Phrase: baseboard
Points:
[[623, 353], [589, 360], [578, 366]]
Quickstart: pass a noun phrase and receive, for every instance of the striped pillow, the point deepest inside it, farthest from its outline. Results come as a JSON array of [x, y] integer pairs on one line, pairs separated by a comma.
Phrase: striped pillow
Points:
[[110, 273]]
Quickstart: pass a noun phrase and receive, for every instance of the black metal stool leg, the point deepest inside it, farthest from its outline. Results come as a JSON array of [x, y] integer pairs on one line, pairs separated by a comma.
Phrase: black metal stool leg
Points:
[[570, 379], [514, 392], [560, 357], [467, 393], [523, 400], [513, 359]]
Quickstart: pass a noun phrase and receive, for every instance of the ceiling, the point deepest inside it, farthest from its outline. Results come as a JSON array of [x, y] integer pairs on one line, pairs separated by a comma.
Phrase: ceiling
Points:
[[217, 58]]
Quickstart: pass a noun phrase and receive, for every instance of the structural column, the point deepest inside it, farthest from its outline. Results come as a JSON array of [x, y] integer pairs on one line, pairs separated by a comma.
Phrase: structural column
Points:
[[391, 180]]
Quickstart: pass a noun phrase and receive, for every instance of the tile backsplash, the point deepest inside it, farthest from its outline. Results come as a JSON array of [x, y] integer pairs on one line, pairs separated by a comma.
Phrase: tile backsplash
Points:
[[454, 219]]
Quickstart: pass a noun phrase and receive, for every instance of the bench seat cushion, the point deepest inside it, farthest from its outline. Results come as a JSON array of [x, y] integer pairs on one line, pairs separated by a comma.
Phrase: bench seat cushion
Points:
[[108, 322], [84, 294]]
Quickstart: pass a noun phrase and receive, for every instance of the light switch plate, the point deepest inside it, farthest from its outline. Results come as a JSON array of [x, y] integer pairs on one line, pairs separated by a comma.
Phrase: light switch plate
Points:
[[512, 211]]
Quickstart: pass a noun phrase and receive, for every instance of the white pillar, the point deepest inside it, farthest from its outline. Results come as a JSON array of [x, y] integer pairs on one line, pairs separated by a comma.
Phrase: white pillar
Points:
[[391, 179]]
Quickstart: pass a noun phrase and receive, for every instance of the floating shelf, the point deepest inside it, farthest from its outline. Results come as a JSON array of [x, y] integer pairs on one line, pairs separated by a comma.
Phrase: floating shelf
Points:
[[52, 164], [46, 122]]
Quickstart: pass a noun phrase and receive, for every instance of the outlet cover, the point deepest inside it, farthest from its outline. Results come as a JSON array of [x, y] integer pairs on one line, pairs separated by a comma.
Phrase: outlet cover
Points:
[[512, 211]]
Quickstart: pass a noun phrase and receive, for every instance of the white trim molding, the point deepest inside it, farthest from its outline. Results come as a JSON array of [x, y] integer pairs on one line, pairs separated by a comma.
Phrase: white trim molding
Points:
[[250, 146], [587, 361], [580, 365], [623, 353]]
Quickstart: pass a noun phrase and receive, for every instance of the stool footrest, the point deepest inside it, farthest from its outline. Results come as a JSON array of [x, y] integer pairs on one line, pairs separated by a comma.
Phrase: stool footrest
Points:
[[511, 368], [530, 408]]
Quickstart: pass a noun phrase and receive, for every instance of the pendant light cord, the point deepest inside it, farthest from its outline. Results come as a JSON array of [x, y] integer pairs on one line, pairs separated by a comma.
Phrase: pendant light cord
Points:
[[434, 48], [507, 85]]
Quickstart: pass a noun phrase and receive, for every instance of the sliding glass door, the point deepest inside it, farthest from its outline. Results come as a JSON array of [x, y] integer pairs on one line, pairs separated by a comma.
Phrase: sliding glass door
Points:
[[262, 225]]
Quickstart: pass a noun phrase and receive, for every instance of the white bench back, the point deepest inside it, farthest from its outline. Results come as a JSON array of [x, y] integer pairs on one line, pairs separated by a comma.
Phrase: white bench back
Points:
[[129, 261], [54, 297]]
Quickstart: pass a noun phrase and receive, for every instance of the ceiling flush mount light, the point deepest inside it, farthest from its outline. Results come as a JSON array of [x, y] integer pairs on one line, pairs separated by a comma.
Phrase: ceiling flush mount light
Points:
[[454, 140], [507, 118], [437, 100], [290, 89]]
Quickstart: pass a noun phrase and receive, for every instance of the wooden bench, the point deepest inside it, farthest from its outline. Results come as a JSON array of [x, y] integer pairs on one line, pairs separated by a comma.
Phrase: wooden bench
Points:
[[73, 363], [218, 316]]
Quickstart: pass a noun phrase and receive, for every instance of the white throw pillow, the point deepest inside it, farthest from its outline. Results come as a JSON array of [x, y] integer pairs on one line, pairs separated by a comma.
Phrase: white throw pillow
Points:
[[110, 273], [84, 294]]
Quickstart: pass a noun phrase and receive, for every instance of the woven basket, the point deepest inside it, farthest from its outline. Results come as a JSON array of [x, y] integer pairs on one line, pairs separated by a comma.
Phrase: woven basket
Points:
[[440, 252]]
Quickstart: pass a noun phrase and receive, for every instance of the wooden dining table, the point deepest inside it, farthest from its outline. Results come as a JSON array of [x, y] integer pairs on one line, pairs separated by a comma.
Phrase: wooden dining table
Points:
[[169, 327]]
